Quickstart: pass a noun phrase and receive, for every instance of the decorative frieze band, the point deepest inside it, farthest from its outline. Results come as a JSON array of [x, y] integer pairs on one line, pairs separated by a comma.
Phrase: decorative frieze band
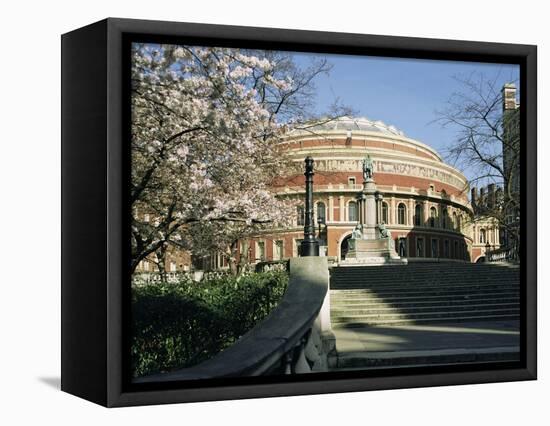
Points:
[[381, 166]]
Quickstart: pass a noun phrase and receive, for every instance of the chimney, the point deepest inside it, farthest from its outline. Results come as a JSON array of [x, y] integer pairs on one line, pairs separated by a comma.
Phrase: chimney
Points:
[[482, 200], [348, 137], [509, 97], [474, 195], [491, 195]]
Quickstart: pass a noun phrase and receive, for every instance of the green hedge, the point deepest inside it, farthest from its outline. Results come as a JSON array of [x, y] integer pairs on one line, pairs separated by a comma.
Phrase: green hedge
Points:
[[180, 325]]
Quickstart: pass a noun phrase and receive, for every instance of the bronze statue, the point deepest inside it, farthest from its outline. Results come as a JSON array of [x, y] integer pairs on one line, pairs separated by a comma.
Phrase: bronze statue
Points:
[[367, 168]]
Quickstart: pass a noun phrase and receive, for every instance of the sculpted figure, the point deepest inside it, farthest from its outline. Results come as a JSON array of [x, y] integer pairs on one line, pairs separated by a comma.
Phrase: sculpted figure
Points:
[[367, 168], [357, 233], [383, 231]]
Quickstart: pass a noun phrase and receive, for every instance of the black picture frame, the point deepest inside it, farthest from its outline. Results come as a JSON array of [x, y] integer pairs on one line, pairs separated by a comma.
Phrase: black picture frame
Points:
[[95, 173]]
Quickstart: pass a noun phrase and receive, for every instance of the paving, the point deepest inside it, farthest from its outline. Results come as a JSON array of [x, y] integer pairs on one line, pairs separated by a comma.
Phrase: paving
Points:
[[442, 343]]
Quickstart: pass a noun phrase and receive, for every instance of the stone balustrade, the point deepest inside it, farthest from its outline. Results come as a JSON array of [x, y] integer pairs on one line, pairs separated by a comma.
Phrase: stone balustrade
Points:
[[143, 278], [296, 338], [505, 254]]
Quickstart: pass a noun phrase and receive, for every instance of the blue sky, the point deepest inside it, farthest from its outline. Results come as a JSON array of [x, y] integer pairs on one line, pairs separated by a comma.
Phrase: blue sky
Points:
[[402, 92]]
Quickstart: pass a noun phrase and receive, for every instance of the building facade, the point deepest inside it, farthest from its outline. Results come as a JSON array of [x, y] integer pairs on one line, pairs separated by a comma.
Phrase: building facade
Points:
[[422, 200], [511, 166]]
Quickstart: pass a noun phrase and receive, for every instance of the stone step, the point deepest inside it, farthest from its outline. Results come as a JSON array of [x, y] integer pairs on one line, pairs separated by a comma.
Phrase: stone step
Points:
[[414, 280], [419, 314], [342, 296], [399, 322], [339, 305], [434, 275], [338, 312], [445, 267], [412, 284], [351, 323], [363, 360], [428, 287], [396, 293], [448, 271], [412, 274], [360, 284], [397, 271], [374, 273], [378, 318], [419, 293], [439, 265], [419, 276]]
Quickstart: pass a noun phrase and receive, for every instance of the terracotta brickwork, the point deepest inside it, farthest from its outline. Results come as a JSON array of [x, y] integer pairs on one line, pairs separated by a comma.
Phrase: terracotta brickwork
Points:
[[444, 227]]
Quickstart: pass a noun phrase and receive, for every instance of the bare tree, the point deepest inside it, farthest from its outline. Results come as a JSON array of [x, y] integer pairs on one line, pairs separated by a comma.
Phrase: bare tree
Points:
[[487, 143]]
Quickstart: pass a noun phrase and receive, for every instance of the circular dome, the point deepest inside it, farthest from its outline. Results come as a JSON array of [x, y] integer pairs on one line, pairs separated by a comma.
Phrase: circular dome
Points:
[[340, 145], [354, 123], [354, 130]]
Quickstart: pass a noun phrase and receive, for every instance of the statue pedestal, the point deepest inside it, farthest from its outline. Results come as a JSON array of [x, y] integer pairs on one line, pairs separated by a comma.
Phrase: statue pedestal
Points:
[[377, 251], [367, 210], [371, 243]]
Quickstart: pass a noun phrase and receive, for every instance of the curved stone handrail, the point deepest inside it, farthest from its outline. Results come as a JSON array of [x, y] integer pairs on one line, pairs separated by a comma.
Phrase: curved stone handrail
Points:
[[290, 335]]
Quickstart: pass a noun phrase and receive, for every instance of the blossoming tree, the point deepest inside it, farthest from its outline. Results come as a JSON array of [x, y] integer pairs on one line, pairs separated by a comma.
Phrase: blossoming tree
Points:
[[205, 126]]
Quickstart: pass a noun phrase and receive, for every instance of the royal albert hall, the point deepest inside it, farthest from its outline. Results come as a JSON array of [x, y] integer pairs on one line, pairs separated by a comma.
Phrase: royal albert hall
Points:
[[423, 201]]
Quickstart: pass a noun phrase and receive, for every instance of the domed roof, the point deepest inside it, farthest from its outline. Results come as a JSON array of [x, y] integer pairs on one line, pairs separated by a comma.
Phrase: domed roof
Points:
[[355, 123]]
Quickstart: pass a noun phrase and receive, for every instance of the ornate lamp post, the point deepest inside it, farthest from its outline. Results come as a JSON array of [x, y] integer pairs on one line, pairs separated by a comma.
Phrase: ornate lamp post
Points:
[[310, 245]]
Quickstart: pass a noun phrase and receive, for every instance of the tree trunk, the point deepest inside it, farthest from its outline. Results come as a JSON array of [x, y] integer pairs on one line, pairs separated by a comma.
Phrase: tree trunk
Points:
[[243, 257], [161, 262]]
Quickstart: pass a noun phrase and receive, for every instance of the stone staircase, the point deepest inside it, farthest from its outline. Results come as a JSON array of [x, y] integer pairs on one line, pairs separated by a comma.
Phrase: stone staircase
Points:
[[423, 293]]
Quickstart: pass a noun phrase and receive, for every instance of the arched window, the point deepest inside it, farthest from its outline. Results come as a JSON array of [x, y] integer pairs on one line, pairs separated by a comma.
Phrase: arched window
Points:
[[352, 211], [418, 215], [384, 212], [300, 216], [401, 214], [455, 221], [482, 236], [444, 218], [433, 217], [321, 212]]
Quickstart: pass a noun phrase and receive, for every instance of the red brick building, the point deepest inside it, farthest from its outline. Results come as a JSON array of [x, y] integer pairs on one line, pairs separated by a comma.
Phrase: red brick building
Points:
[[424, 201]]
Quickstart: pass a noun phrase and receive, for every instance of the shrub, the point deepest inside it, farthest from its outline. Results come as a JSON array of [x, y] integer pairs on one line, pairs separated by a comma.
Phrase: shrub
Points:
[[180, 325]]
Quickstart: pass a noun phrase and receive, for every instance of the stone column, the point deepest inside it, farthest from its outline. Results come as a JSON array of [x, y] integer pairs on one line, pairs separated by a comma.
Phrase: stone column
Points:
[[368, 204], [411, 212], [363, 209], [391, 215], [378, 197], [342, 209], [425, 212], [330, 216]]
